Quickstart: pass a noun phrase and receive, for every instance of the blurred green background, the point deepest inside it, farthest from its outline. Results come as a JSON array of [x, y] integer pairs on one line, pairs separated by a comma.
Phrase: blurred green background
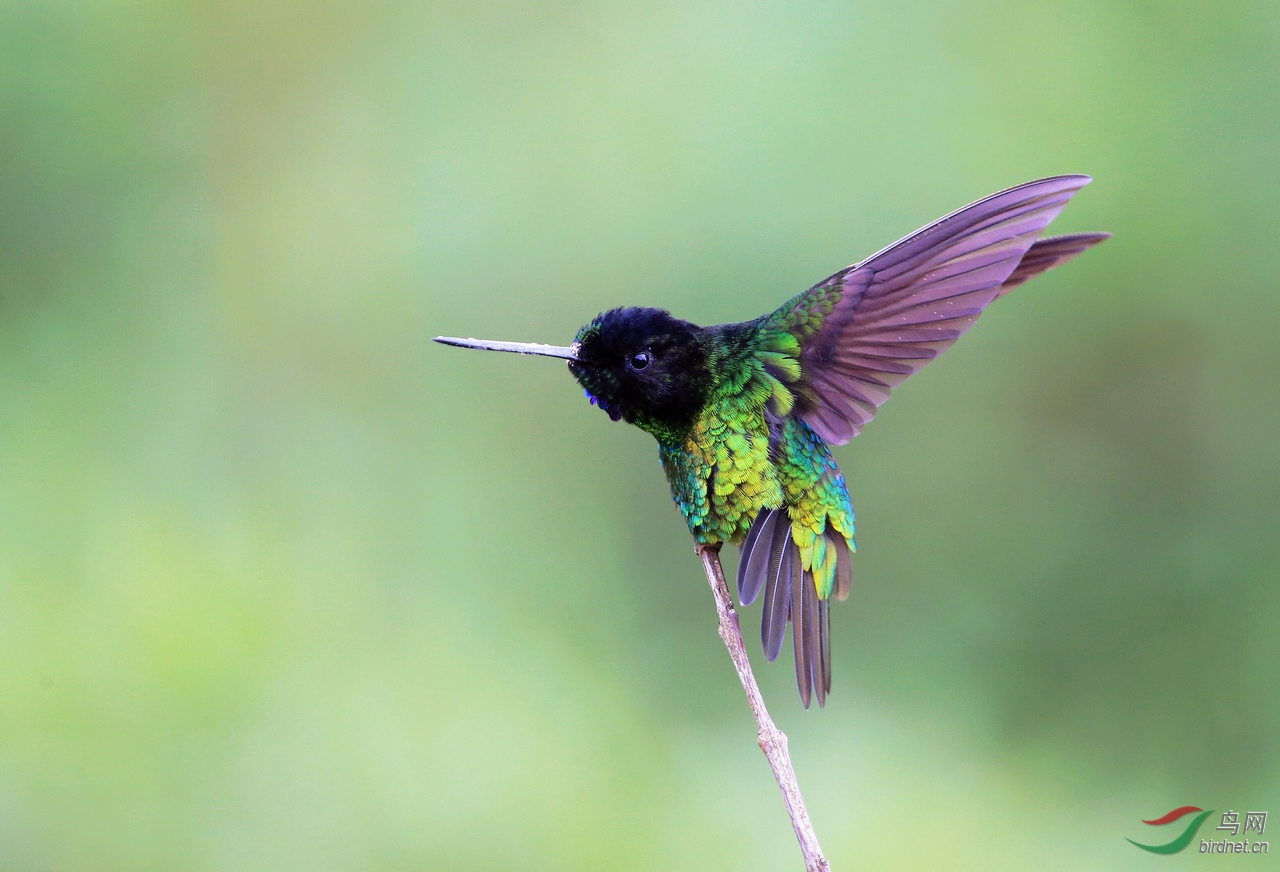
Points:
[[286, 586]]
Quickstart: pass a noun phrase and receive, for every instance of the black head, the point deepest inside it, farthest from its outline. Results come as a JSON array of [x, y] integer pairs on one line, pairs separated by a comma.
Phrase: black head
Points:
[[644, 366]]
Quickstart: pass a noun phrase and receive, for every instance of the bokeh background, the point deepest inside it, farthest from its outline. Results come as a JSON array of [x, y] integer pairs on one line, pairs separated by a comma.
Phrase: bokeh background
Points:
[[286, 586]]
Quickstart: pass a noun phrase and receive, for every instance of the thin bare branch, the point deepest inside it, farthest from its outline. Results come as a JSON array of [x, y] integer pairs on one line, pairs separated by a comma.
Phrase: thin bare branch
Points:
[[772, 740]]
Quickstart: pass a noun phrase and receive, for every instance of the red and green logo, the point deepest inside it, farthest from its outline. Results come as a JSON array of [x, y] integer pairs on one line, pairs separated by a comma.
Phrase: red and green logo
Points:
[[1187, 835]]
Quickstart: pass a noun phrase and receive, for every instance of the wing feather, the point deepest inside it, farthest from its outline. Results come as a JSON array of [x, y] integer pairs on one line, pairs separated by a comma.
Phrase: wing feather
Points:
[[865, 329], [1048, 253]]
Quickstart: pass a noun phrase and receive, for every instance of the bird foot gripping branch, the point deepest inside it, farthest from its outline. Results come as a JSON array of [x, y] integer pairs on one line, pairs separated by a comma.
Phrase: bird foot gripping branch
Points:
[[745, 414]]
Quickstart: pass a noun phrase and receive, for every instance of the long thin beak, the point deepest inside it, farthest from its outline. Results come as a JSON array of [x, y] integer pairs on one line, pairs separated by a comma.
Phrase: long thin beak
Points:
[[568, 353]]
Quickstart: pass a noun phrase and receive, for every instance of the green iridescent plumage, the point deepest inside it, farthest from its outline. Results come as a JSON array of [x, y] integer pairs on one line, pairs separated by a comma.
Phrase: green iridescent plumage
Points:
[[745, 414], [728, 465]]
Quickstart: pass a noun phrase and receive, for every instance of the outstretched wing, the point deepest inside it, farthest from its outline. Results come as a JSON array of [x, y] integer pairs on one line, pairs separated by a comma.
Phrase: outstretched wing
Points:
[[865, 329], [1047, 253]]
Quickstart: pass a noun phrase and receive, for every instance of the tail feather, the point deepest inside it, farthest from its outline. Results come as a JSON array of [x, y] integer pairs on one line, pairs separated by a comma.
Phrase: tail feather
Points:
[[776, 610], [824, 634], [811, 637], [772, 560], [803, 631], [844, 563], [755, 563]]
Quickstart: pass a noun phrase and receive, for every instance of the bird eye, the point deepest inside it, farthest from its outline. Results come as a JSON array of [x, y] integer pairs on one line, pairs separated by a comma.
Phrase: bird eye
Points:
[[638, 361]]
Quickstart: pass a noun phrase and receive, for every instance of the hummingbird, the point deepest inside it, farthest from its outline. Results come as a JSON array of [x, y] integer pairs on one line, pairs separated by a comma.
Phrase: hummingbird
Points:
[[745, 414]]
